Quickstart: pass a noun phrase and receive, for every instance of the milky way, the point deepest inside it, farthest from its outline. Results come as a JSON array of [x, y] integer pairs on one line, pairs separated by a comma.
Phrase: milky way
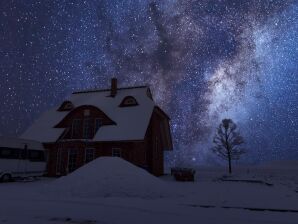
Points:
[[204, 60]]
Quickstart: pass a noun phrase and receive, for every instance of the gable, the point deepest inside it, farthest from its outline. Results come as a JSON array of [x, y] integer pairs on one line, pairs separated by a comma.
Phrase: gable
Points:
[[80, 113]]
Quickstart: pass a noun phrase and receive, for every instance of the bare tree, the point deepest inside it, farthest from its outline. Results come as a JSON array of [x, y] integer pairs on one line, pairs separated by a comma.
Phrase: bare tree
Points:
[[227, 141]]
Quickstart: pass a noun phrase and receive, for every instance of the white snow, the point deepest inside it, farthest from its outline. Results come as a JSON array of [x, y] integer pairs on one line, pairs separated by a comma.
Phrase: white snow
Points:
[[43, 128], [208, 200], [109, 177], [131, 122]]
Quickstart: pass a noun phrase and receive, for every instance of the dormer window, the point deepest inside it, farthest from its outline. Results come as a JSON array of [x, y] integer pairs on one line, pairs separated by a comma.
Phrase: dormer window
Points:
[[128, 101], [66, 106]]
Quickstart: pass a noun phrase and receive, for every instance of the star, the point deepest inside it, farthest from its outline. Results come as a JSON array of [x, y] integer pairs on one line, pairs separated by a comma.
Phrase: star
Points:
[[204, 61]]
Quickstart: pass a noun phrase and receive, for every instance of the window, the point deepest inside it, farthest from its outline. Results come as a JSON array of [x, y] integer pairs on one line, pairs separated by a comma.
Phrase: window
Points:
[[76, 127], [68, 106], [5, 152], [128, 102], [89, 155], [36, 156], [98, 123], [72, 160], [86, 113], [87, 131], [10, 153], [116, 152], [24, 154]]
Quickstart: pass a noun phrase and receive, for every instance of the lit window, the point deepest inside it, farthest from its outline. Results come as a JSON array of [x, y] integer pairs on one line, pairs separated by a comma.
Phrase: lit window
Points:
[[116, 152]]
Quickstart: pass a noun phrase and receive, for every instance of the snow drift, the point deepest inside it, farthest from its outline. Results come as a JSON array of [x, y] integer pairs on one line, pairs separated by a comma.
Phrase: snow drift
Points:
[[109, 177]]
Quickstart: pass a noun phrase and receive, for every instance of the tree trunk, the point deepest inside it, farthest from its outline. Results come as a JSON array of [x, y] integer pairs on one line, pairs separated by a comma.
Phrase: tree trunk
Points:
[[230, 164], [228, 150]]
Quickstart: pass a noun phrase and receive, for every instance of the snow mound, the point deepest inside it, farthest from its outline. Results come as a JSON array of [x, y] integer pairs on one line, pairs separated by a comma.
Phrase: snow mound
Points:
[[109, 177]]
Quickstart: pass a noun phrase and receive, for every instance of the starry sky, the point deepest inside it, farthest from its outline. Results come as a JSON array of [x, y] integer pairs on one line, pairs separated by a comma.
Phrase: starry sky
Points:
[[204, 60]]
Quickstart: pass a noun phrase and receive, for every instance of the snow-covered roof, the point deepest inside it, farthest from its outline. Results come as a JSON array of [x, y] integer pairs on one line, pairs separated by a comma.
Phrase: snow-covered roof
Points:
[[19, 143], [131, 122]]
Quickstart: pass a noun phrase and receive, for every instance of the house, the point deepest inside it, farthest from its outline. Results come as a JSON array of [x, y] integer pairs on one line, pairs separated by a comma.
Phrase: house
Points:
[[123, 122]]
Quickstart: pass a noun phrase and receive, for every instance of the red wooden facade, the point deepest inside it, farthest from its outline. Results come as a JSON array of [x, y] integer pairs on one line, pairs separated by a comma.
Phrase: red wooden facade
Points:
[[76, 147]]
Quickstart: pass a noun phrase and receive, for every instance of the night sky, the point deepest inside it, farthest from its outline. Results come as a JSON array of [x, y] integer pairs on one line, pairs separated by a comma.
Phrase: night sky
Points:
[[204, 60]]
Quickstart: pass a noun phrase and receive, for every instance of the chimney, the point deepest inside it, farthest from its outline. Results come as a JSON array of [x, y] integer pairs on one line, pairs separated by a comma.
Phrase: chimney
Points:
[[113, 87]]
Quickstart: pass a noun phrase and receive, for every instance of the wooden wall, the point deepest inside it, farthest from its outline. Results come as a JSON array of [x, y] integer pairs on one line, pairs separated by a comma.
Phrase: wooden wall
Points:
[[147, 153]]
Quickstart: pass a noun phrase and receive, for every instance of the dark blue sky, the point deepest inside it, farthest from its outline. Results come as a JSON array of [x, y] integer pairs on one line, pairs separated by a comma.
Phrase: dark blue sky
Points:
[[204, 60]]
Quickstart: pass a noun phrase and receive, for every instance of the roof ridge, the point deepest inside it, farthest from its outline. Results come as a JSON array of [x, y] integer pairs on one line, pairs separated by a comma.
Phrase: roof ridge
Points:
[[105, 90]]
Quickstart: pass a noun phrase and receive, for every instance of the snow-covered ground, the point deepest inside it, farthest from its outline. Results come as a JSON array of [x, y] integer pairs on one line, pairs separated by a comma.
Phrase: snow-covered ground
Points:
[[110, 190]]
